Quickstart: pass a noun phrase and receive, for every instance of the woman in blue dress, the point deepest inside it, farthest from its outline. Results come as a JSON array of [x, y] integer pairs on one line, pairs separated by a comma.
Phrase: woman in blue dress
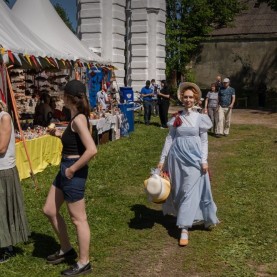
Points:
[[184, 156]]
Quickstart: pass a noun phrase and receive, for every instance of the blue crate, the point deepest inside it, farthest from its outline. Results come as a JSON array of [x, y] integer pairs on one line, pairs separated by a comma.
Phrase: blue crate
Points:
[[126, 94]]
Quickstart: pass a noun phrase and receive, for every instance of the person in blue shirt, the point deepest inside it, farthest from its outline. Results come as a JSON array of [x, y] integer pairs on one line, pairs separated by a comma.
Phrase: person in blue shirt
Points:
[[147, 97], [226, 100]]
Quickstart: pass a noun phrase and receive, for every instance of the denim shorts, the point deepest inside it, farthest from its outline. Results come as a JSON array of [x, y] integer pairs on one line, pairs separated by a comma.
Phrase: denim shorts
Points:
[[73, 189]]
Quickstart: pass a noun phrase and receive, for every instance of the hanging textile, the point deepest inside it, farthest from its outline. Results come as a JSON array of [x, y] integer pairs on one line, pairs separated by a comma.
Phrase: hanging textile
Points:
[[95, 76], [3, 85]]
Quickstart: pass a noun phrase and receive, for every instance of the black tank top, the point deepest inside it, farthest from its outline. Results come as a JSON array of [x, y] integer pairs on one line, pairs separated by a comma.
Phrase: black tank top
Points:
[[72, 144]]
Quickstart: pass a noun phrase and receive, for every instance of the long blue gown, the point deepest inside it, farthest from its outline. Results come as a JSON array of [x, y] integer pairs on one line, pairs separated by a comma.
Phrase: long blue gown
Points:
[[191, 197]]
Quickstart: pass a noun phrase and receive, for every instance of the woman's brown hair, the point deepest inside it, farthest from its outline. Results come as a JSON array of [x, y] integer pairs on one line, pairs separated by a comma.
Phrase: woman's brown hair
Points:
[[81, 103]]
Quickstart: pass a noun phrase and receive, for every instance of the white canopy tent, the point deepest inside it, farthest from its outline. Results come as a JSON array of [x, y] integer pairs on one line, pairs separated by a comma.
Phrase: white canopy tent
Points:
[[16, 37], [41, 17]]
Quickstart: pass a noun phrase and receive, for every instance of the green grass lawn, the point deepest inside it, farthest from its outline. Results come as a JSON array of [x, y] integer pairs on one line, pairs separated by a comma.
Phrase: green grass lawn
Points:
[[131, 237]]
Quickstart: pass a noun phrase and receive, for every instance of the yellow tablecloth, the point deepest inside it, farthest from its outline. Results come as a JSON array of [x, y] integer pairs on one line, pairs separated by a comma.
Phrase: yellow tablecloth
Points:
[[43, 151]]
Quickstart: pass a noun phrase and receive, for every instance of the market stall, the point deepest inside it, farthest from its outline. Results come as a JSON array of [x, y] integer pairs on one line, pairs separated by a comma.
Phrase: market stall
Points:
[[31, 66], [106, 128]]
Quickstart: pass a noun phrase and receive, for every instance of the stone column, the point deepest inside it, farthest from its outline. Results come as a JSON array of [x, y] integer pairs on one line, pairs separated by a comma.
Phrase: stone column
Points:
[[147, 41], [89, 31], [152, 14], [107, 30], [128, 46], [101, 26]]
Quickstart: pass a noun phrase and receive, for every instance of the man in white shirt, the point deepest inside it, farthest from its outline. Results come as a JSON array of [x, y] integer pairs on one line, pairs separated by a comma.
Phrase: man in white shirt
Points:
[[102, 99], [156, 88]]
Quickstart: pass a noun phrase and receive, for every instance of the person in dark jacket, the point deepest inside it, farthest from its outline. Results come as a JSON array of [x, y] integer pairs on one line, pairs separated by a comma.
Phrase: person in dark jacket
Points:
[[163, 101]]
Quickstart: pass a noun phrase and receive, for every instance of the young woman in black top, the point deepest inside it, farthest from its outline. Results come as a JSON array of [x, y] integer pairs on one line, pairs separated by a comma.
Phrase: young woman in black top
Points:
[[69, 184], [163, 101]]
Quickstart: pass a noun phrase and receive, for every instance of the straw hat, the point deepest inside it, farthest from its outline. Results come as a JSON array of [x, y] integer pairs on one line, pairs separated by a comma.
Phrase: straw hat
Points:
[[185, 85], [157, 188]]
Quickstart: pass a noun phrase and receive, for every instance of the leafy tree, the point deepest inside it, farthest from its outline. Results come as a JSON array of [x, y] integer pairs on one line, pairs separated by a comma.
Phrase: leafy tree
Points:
[[62, 13], [188, 23]]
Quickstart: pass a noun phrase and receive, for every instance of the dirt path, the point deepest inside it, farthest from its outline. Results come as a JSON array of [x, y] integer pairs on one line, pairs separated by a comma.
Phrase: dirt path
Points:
[[246, 116], [241, 116]]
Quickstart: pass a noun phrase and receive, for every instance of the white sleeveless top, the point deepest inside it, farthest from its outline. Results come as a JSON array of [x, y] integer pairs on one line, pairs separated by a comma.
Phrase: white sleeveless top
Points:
[[7, 160]]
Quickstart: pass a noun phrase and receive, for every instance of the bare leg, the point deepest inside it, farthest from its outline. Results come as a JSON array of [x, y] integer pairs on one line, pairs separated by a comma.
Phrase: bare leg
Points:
[[78, 215], [51, 209]]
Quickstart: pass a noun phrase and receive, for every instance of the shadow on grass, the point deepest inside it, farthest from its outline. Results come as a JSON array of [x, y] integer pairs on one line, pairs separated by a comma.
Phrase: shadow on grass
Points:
[[44, 245], [16, 249], [212, 134], [145, 218], [155, 124]]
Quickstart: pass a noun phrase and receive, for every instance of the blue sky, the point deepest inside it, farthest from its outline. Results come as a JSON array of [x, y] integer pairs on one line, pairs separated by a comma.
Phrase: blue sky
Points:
[[69, 6]]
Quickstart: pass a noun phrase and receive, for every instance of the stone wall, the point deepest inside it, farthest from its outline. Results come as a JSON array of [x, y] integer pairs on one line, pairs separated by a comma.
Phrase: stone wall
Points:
[[249, 61]]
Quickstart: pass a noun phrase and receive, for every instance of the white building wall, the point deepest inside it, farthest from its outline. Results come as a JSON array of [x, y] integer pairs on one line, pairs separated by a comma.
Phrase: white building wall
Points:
[[147, 42], [103, 26]]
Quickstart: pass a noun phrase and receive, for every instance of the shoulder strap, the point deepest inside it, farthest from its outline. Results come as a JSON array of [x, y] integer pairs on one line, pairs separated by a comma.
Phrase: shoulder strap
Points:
[[74, 116], [77, 115]]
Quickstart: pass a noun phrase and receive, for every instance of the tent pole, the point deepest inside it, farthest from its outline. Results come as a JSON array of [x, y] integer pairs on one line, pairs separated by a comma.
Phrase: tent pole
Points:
[[20, 129]]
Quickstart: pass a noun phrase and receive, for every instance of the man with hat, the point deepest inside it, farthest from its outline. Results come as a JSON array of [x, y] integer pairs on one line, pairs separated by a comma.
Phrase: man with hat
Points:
[[226, 100]]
